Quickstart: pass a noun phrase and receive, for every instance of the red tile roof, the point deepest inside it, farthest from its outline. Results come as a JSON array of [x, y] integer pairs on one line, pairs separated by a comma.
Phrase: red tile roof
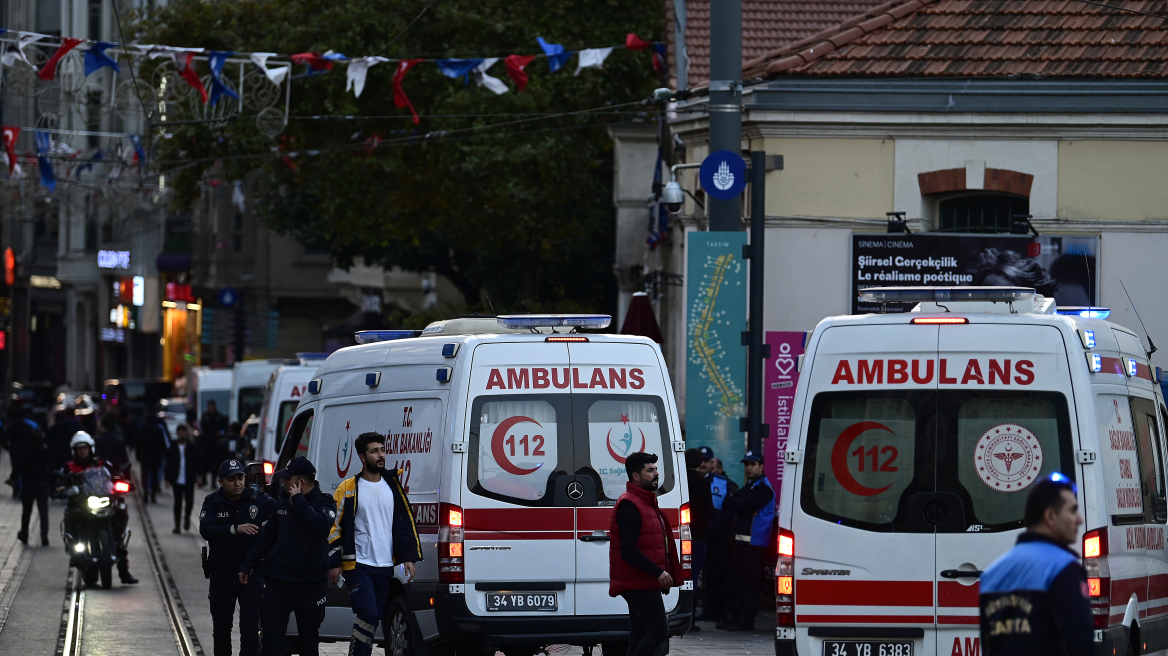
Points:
[[767, 25], [1051, 38]]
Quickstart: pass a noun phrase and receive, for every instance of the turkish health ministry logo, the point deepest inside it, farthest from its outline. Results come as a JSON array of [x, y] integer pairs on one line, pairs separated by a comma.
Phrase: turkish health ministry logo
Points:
[[1008, 457]]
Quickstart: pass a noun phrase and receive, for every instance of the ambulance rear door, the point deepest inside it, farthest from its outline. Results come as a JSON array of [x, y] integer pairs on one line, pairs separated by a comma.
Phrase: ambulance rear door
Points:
[[519, 522], [864, 525], [1004, 422], [619, 407]]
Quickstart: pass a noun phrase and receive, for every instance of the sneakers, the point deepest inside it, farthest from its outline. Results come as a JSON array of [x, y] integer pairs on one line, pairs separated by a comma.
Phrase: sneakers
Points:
[[23, 537]]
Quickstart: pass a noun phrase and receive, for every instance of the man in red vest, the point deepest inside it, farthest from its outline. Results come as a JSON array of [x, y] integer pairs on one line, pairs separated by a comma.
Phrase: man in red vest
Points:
[[642, 559]]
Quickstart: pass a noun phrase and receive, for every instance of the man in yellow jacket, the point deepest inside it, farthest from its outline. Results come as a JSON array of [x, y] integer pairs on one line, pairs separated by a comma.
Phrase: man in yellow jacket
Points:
[[371, 538]]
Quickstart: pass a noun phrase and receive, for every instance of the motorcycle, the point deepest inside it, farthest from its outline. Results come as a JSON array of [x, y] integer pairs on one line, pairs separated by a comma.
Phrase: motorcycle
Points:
[[89, 530]]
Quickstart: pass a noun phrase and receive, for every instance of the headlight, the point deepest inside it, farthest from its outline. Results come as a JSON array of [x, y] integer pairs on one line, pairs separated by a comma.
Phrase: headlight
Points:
[[79, 547], [98, 502]]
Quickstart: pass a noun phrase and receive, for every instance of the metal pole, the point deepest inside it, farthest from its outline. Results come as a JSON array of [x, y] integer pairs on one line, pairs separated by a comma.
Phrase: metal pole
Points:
[[725, 105], [756, 430]]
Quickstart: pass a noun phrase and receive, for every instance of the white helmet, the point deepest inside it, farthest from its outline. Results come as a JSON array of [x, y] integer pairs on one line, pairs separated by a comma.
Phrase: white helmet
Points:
[[81, 438]]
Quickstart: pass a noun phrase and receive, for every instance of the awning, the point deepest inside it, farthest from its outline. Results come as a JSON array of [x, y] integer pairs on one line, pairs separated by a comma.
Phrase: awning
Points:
[[640, 319]]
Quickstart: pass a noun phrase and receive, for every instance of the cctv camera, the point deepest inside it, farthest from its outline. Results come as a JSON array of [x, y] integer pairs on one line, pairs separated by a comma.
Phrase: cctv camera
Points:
[[673, 197]]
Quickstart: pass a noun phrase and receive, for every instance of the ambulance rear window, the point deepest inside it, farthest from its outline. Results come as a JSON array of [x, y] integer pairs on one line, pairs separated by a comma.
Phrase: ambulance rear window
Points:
[[920, 461], [617, 427], [516, 446]]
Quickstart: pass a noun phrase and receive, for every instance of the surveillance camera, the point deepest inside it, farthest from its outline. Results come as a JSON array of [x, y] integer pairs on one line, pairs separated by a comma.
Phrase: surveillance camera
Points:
[[673, 197]]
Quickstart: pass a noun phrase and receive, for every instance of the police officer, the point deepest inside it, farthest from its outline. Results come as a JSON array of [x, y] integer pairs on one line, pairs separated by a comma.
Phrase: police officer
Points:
[[230, 521], [295, 545], [1034, 599], [753, 511]]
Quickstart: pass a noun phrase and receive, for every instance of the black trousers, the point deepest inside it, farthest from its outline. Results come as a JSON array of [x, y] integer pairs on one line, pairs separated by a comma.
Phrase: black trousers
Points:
[[648, 625], [38, 494], [224, 593], [718, 578], [183, 493], [749, 564], [284, 597]]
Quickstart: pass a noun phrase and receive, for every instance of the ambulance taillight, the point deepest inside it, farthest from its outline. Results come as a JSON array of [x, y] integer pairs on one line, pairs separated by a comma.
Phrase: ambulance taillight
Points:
[[1098, 576], [686, 543], [450, 559], [785, 580]]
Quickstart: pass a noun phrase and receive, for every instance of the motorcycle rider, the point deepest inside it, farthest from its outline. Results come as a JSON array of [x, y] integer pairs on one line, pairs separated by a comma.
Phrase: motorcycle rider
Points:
[[85, 459]]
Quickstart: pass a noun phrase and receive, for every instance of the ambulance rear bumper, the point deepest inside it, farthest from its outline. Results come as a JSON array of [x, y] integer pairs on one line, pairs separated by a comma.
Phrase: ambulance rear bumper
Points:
[[456, 622]]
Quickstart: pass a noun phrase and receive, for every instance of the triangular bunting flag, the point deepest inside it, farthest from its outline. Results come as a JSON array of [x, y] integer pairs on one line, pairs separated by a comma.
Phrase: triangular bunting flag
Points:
[[49, 70], [457, 68], [15, 51], [96, 59], [555, 54], [592, 58], [10, 135], [44, 146], [634, 42], [493, 83], [216, 59], [314, 62], [275, 75], [400, 100], [515, 65], [358, 70]]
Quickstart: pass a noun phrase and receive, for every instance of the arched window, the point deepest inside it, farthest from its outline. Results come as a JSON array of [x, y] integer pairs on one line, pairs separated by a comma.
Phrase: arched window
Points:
[[980, 212]]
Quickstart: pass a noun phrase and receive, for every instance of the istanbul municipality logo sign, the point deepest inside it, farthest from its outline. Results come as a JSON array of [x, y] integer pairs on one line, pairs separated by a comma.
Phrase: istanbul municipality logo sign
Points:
[[723, 175]]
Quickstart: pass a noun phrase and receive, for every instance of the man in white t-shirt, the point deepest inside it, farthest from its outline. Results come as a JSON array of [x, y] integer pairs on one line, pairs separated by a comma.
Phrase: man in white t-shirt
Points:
[[371, 538]]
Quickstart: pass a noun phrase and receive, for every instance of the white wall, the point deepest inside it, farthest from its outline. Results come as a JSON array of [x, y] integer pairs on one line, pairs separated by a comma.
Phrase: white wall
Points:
[[1135, 258], [808, 276], [1036, 157]]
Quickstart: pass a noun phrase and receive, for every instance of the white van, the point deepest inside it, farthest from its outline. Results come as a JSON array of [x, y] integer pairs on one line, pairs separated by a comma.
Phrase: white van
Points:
[[286, 388], [211, 384], [247, 387], [510, 439], [914, 440]]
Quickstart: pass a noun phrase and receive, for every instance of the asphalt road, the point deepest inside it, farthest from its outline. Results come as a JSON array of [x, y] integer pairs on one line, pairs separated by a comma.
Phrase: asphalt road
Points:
[[132, 619]]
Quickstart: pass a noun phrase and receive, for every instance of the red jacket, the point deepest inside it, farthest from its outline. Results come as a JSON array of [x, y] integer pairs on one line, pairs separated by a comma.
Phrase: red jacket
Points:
[[655, 541]]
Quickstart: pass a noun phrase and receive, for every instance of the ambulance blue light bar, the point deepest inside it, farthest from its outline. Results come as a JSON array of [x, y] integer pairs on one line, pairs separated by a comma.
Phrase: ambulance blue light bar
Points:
[[311, 356], [373, 336], [520, 321], [1086, 312], [1088, 338], [1094, 362], [1133, 367], [945, 294]]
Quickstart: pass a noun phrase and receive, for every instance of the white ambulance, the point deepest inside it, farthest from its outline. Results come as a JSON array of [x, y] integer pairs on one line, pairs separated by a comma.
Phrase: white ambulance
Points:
[[286, 388], [511, 437], [247, 386], [914, 440]]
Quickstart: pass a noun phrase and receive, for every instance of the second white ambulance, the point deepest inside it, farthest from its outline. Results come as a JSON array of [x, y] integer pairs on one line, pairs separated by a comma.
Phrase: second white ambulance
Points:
[[511, 439], [914, 440]]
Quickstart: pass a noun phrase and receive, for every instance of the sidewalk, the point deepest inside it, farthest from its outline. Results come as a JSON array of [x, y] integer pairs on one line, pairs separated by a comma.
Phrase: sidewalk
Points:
[[13, 564]]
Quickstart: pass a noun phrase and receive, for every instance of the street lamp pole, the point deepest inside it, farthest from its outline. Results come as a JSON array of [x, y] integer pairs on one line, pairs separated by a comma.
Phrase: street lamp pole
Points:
[[725, 104]]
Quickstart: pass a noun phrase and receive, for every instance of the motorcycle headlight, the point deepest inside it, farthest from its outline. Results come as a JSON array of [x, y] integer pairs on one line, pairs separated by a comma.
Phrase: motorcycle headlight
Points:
[[98, 502], [79, 548]]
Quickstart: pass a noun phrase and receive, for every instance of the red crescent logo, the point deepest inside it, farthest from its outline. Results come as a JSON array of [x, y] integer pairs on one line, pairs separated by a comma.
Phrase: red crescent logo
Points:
[[613, 453], [497, 446], [839, 458], [349, 451]]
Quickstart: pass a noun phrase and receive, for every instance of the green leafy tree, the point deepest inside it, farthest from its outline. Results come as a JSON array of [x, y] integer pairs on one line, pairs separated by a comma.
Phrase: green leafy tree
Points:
[[506, 204]]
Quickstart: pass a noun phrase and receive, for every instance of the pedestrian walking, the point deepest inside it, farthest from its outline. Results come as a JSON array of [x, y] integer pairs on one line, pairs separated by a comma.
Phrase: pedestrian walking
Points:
[[753, 511], [17, 432], [184, 468], [1034, 599], [374, 533], [294, 549], [230, 522], [36, 472], [642, 561], [151, 450], [212, 427], [65, 426]]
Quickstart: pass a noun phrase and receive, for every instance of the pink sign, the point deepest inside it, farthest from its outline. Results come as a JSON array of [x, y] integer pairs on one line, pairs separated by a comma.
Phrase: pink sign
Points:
[[780, 380]]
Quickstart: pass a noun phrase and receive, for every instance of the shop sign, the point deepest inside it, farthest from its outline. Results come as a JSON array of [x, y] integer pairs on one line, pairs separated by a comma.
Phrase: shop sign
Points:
[[139, 294], [44, 282], [116, 335], [113, 259], [179, 292], [1062, 267]]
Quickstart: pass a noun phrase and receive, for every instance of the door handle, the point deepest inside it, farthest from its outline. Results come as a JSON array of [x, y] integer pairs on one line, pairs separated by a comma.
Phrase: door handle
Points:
[[961, 574], [595, 536]]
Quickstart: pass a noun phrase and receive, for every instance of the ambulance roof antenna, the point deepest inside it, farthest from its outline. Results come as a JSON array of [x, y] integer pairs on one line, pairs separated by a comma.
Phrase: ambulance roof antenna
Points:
[[492, 306], [1151, 346]]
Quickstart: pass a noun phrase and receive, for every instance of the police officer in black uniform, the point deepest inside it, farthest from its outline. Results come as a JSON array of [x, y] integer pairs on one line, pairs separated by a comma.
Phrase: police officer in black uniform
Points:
[[230, 522], [294, 548]]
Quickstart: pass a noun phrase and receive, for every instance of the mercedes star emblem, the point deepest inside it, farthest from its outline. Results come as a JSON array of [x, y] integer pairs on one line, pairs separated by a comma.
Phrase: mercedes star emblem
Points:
[[575, 490]]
